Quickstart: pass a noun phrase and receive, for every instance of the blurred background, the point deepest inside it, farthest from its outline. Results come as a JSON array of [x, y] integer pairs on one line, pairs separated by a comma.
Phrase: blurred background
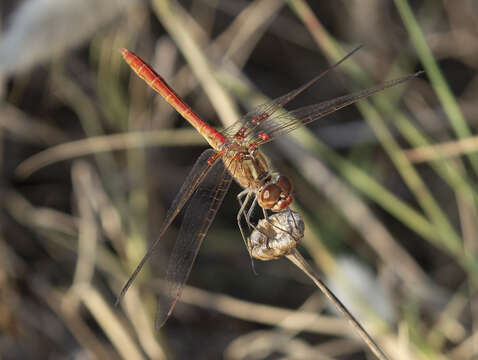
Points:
[[91, 159]]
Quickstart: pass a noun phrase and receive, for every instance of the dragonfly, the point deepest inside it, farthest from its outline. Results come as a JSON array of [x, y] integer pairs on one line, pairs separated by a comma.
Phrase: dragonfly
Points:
[[234, 155]]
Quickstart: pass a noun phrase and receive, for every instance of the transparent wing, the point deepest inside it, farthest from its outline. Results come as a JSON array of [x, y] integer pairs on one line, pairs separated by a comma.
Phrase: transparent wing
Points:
[[287, 121], [252, 119], [198, 217], [196, 176]]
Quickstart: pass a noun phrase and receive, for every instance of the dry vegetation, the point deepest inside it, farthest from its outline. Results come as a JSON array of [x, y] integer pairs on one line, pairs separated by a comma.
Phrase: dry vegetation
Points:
[[91, 160]]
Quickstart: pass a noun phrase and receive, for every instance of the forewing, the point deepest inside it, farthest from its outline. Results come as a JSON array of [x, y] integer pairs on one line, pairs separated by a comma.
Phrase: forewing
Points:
[[252, 119], [285, 122], [198, 217], [195, 177]]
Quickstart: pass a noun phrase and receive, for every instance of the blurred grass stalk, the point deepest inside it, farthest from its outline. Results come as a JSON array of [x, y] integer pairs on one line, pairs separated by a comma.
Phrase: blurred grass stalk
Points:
[[434, 73]]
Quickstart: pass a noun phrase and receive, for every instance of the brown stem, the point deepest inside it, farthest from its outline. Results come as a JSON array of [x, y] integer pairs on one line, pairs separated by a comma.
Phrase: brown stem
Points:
[[302, 264]]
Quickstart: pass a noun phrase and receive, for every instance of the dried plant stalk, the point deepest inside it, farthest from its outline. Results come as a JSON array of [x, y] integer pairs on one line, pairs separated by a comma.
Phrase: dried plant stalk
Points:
[[296, 257]]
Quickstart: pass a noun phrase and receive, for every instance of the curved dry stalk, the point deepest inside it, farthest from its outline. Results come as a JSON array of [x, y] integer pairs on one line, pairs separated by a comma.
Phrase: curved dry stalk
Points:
[[296, 258], [105, 143], [297, 320]]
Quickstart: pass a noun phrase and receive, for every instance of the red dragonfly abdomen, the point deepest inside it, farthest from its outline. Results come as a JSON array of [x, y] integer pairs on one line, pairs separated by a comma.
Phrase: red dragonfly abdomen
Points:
[[215, 138]]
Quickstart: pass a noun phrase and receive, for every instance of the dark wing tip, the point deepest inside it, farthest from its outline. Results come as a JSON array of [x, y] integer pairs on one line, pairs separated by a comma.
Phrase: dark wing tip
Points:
[[124, 290], [162, 317], [359, 46]]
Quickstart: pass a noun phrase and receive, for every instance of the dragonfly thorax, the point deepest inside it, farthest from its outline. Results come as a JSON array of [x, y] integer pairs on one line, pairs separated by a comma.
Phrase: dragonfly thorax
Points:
[[249, 168]]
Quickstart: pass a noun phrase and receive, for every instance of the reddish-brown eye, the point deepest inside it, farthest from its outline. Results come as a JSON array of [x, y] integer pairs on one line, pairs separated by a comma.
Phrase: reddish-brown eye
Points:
[[269, 196], [284, 184]]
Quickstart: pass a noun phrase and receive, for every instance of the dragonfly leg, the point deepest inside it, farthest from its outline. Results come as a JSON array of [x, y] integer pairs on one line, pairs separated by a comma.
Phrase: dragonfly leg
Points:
[[266, 217], [239, 198], [249, 213], [241, 213], [293, 218]]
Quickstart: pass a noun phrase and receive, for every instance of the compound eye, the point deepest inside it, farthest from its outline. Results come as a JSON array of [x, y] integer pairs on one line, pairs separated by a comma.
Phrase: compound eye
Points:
[[284, 184], [269, 196]]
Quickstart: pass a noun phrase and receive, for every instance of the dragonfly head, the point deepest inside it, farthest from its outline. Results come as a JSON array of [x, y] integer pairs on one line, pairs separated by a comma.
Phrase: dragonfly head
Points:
[[275, 195]]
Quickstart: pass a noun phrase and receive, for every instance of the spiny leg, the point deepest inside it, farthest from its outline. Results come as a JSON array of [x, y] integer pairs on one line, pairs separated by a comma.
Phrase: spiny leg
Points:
[[249, 213], [266, 217], [293, 218], [248, 218], [239, 196], [241, 213]]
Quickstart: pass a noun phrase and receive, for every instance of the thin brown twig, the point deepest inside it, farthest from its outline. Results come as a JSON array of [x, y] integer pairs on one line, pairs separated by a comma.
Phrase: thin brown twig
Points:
[[296, 258], [96, 144], [28, 128], [261, 313]]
